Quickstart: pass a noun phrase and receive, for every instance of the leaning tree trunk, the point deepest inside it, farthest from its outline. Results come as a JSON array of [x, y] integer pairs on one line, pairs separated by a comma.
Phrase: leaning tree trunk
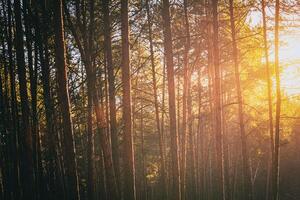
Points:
[[86, 50], [72, 187], [111, 91], [112, 190]]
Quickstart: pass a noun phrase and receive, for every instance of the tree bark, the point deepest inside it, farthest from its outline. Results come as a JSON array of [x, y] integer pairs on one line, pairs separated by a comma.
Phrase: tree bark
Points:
[[33, 93], [176, 191], [111, 91], [86, 50], [217, 106], [72, 187], [269, 88], [42, 45], [27, 169], [156, 106], [184, 103], [129, 169], [91, 80], [14, 147], [275, 183], [245, 157]]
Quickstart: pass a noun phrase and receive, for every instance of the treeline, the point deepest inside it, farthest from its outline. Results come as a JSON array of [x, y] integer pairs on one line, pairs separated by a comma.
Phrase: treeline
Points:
[[145, 100]]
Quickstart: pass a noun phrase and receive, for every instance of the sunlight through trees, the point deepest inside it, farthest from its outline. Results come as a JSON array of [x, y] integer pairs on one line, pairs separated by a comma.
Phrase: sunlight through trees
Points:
[[147, 100]]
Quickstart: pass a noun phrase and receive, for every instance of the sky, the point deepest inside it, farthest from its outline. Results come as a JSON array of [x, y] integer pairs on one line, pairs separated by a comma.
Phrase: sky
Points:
[[289, 52]]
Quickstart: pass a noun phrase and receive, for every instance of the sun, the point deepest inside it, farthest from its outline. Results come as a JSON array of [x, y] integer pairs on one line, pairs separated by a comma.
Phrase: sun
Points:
[[289, 54], [289, 60]]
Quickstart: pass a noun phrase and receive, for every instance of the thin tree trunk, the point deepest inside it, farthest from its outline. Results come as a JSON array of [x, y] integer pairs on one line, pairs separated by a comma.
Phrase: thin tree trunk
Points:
[[199, 141], [178, 113], [91, 90], [269, 87], [275, 183], [14, 148], [156, 106], [42, 45], [227, 189], [5, 188], [189, 173], [184, 103], [144, 193], [86, 52], [163, 127], [172, 105], [245, 157], [90, 150], [41, 184], [217, 100], [129, 169], [112, 93], [33, 93], [112, 190]]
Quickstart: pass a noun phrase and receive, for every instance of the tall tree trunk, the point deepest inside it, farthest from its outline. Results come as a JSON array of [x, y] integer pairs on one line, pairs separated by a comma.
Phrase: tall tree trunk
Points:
[[188, 174], [33, 92], [72, 187], [27, 169], [112, 190], [176, 191], [245, 157], [91, 90], [275, 183], [217, 105], [86, 50], [14, 147], [156, 106], [111, 91], [42, 44], [269, 87], [129, 169], [184, 103]]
